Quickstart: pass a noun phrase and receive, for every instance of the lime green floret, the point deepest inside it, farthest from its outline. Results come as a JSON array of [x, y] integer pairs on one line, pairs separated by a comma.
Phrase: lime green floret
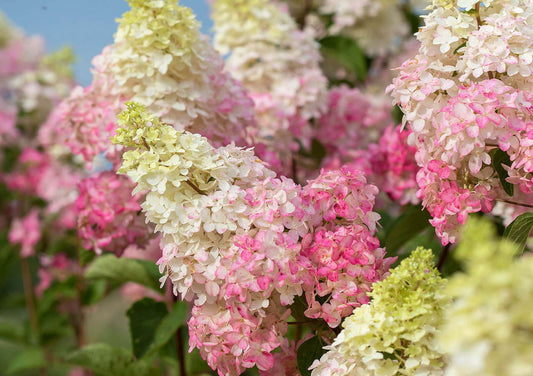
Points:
[[162, 157], [412, 286], [61, 61], [395, 333], [139, 128], [160, 25], [6, 30]]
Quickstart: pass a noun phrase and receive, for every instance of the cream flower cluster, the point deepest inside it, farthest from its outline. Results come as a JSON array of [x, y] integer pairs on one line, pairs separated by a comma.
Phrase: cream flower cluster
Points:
[[160, 59], [489, 327], [224, 240], [395, 333], [278, 64]]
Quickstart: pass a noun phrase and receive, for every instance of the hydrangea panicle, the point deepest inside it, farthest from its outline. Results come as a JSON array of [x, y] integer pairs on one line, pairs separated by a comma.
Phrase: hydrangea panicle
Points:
[[395, 333]]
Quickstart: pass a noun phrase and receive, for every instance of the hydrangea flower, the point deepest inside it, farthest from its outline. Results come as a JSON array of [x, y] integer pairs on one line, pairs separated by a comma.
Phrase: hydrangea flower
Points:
[[108, 214], [242, 244], [161, 60], [26, 232], [396, 332], [465, 94], [488, 329], [279, 65]]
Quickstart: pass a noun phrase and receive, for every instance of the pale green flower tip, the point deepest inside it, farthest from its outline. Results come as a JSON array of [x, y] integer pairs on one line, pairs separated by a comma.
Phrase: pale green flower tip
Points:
[[7, 31], [135, 122], [158, 24], [61, 61], [419, 266], [480, 244]]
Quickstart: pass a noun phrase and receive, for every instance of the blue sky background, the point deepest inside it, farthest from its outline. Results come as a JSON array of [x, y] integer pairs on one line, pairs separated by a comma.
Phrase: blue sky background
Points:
[[86, 25]]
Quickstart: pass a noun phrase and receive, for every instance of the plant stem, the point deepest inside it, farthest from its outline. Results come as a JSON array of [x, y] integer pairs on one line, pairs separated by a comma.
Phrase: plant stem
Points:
[[178, 336], [294, 170], [478, 16], [180, 351], [193, 186], [298, 322], [28, 295], [306, 11], [515, 203], [145, 143], [30, 302], [298, 333], [443, 256]]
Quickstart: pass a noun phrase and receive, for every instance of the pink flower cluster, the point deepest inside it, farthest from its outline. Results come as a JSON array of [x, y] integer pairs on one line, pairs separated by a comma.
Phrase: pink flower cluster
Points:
[[393, 166], [57, 267], [20, 54], [85, 121], [27, 179], [108, 215], [319, 243], [340, 253], [26, 232], [358, 130], [40, 175], [353, 120], [466, 94]]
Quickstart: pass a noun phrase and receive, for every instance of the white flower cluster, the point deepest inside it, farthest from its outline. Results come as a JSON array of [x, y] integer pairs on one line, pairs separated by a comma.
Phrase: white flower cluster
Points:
[[277, 63], [161, 60], [378, 26]]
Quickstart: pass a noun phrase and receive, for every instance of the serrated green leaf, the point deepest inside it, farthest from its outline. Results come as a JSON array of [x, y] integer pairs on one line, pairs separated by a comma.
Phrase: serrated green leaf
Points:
[[519, 230], [307, 353], [346, 51], [168, 327], [500, 158], [122, 270], [27, 360], [105, 360], [145, 316], [406, 226]]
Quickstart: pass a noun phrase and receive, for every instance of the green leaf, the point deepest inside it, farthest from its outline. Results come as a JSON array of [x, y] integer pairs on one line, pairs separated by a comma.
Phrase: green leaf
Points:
[[27, 360], [145, 316], [168, 327], [318, 151], [346, 51], [397, 114], [459, 47], [518, 231], [12, 331], [413, 19], [500, 158], [8, 255], [307, 353], [406, 226], [94, 292], [121, 270], [298, 308], [105, 360]]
